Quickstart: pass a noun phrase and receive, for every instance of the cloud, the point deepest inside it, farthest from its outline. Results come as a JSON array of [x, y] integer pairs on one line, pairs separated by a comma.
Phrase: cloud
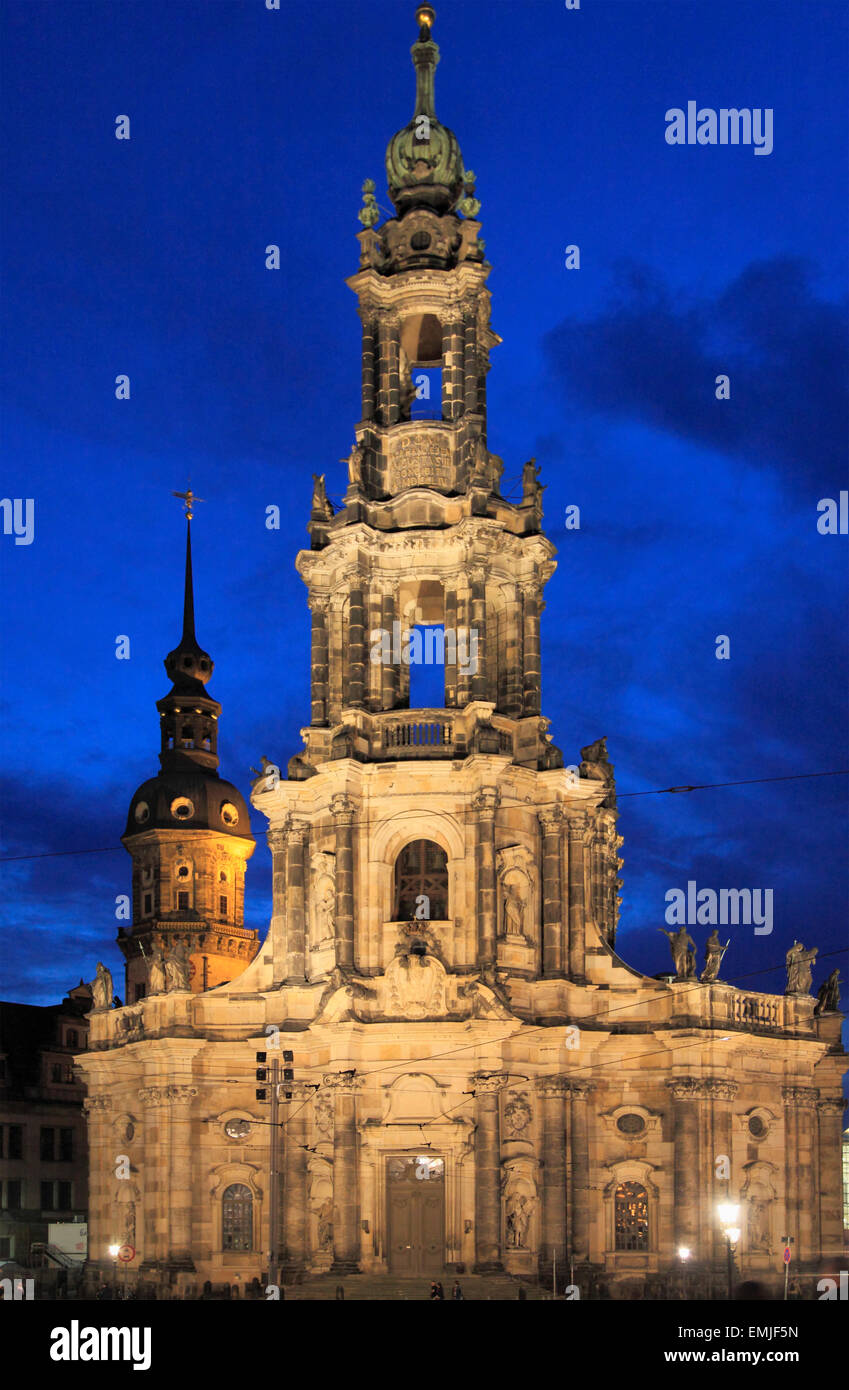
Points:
[[653, 356]]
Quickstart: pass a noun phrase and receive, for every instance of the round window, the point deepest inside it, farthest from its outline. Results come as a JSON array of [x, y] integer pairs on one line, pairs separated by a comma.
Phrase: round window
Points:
[[142, 812], [757, 1127], [630, 1124], [229, 814], [129, 1132], [182, 808]]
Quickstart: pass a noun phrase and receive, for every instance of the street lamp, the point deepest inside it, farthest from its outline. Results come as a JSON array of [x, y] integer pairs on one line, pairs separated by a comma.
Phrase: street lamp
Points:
[[684, 1253], [729, 1215], [113, 1251]]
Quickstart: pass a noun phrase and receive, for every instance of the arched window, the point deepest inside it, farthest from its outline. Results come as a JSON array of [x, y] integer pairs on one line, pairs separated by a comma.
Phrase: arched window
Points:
[[421, 870], [237, 1218], [631, 1216]]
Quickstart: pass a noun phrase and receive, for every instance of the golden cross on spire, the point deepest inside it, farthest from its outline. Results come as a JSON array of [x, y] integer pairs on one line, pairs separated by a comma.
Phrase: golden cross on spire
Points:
[[188, 498]]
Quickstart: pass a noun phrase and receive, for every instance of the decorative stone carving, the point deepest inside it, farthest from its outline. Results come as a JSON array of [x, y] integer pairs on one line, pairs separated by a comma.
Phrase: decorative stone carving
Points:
[[416, 986], [167, 1095], [177, 968], [758, 1196], [519, 1193], [799, 1096], [828, 995], [683, 949], [688, 1088], [323, 1118], [156, 973], [715, 1089], [518, 1114], [95, 1104], [323, 899]]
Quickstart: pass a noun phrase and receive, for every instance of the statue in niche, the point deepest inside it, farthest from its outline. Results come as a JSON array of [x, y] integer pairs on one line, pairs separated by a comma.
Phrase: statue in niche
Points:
[[355, 465], [101, 987], [714, 951], [325, 914], [828, 995], [514, 910], [325, 1225], [177, 968], [683, 949], [156, 973], [519, 1210], [758, 1225], [799, 962]]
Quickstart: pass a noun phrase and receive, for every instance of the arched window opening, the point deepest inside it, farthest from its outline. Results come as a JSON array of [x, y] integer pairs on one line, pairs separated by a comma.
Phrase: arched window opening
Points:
[[631, 1215], [421, 881], [237, 1217]]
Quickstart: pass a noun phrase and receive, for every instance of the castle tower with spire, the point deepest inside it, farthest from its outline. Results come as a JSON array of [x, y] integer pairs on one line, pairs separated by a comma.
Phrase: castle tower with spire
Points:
[[470, 1076], [188, 833]]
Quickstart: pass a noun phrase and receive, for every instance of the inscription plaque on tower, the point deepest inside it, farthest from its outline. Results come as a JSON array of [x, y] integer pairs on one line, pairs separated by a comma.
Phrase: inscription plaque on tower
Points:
[[422, 459]]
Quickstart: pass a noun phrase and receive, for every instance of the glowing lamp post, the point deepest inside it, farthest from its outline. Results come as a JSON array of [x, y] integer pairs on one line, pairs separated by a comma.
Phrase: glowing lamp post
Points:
[[684, 1253], [729, 1215], [113, 1251]]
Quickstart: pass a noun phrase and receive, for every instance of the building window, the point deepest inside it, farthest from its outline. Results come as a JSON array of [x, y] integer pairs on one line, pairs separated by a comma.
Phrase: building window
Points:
[[64, 1201], [46, 1147], [147, 904], [13, 1194], [47, 1196], [421, 881], [182, 902], [631, 1217], [237, 1218], [5, 1247], [222, 906], [72, 1038], [66, 1145], [15, 1141]]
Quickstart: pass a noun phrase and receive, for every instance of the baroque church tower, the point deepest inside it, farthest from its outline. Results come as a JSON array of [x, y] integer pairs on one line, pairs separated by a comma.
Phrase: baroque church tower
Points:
[[188, 833], [471, 1077]]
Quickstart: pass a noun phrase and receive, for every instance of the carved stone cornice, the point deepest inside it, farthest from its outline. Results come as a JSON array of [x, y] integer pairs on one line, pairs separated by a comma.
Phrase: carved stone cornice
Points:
[[716, 1089], [531, 588], [799, 1096], [95, 1104], [342, 808], [580, 1090], [832, 1106], [486, 801], [488, 1083], [167, 1095]]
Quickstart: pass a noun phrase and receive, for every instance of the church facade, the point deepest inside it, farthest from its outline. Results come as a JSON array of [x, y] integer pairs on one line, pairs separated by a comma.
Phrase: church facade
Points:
[[469, 1076]]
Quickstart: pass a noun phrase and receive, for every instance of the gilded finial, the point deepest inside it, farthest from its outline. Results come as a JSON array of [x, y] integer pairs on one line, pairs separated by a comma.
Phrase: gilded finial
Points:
[[188, 499], [425, 15]]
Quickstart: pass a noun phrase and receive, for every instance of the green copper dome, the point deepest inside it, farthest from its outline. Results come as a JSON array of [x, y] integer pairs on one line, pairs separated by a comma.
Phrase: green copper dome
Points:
[[424, 166]]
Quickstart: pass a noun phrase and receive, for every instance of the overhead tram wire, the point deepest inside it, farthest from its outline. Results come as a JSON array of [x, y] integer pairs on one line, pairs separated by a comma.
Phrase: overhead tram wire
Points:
[[654, 791]]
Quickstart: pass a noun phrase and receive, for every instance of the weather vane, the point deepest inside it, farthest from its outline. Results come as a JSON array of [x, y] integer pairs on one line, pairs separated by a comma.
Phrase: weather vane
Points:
[[188, 499]]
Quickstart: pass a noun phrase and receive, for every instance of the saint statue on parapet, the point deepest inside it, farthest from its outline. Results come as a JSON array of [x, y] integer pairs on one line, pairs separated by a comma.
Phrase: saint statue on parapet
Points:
[[683, 949], [714, 951], [799, 962]]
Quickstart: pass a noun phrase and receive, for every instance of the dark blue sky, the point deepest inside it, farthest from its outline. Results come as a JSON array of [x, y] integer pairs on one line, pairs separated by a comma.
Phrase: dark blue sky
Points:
[[251, 127]]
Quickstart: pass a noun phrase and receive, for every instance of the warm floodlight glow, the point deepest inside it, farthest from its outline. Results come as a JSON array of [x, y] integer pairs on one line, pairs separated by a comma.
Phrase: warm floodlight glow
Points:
[[113, 1251], [683, 1252], [728, 1213]]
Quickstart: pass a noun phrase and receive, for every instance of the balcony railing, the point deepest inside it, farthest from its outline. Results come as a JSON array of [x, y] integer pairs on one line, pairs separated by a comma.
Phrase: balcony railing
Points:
[[417, 735], [757, 1011]]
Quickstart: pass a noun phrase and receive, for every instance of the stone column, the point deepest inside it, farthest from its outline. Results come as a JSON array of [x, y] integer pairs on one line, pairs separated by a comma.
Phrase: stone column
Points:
[[552, 894], [721, 1094], [552, 1091], [579, 1148], [356, 646], [389, 670], [319, 659], [178, 1098], [799, 1102], [485, 803], [296, 921], [373, 669], [686, 1091], [278, 844], [369, 350], [513, 655], [452, 369], [829, 1136], [295, 1115], [464, 622], [487, 1173], [343, 816], [451, 626], [102, 1146], [480, 686], [531, 609], [393, 365], [577, 909], [470, 379], [346, 1201]]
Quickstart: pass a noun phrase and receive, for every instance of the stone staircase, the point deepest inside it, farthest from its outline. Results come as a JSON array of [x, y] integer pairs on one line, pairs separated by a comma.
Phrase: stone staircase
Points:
[[477, 1288]]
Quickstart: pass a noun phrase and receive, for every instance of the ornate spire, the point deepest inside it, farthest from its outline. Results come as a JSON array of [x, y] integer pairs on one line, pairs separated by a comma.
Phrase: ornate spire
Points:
[[188, 716], [425, 57], [188, 666], [424, 166]]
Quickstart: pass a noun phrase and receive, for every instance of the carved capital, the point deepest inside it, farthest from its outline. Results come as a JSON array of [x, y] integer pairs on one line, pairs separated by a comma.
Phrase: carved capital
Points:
[[721, 1090], [799, 1096], [551, 819], [277, 840], [298, 1090], [688, 1088], [578, 823], [150, 1095], [486, 801], [342, 808], [344, 1083], [834, 1106], [318, 603], [297, 830], [530, 589], [580, 1090], [477, 574], [180, 1095], [95, 1104], [548, 1086], [487, 1083]]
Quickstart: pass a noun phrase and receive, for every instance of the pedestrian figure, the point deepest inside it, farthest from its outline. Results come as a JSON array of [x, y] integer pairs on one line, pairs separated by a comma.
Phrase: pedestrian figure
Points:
[[457, 1292]]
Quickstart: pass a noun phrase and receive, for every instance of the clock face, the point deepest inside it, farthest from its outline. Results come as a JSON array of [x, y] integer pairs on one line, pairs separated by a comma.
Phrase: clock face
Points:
[[237, 1129]]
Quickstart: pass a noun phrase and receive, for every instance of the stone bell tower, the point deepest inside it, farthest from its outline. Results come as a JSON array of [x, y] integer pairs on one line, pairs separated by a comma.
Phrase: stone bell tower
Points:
[[426, 549]]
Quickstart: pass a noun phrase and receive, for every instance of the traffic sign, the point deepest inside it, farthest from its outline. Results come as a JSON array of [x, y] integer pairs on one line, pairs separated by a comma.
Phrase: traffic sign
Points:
[[127, 1253], [787, 1254]]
